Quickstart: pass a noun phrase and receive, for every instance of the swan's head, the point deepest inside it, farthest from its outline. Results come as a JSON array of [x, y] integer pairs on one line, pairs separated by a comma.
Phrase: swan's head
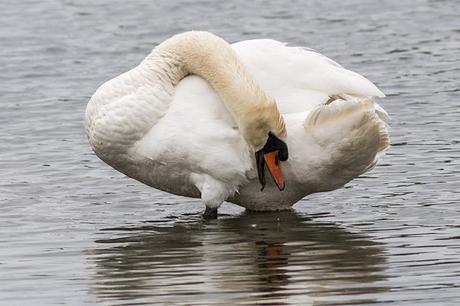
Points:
[[264, 129], [274, 151]]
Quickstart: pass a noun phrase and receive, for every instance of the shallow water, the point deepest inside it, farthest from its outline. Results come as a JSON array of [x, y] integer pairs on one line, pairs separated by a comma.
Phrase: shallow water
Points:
[[74, 231]]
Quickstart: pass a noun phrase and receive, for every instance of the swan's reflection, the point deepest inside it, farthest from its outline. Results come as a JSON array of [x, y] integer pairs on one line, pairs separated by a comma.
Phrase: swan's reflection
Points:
[[271, 258]]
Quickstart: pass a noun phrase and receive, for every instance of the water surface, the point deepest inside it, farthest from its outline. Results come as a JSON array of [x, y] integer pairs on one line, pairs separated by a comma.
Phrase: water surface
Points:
[[74, 231]]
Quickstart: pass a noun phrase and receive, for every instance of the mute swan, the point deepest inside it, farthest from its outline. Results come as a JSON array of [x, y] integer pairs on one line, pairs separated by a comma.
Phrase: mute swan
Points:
[[191, 116]]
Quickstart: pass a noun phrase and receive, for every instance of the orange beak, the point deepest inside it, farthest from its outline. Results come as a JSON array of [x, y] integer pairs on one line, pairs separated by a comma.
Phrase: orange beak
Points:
[[273, 164]]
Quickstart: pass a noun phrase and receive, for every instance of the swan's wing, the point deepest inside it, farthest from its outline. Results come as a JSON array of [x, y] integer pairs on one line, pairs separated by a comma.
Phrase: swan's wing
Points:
[[300, 78]]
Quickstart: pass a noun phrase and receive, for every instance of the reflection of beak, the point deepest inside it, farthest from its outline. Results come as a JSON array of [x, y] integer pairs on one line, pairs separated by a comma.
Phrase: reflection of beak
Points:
[[272, 161]]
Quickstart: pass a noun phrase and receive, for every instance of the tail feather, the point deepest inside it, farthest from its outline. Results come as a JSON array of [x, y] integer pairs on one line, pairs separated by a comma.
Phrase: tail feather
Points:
[[352, 132]]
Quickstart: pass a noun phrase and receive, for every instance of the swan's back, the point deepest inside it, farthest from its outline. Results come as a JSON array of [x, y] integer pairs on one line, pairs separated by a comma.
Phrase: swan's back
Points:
[[299, 78]]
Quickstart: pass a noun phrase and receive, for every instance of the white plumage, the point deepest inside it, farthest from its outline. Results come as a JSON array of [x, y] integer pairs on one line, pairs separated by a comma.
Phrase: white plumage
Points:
[[176, 133]]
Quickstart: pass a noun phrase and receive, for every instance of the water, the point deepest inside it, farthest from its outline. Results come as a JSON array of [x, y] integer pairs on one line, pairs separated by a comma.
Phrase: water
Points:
[[74, 231]]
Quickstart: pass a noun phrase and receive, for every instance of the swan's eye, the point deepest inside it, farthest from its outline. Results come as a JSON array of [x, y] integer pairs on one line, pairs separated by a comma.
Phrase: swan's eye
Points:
[[276, 144], [283, 153]]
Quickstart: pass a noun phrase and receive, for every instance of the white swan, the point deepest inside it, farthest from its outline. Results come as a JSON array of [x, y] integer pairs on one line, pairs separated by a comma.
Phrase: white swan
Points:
[[190, 117]]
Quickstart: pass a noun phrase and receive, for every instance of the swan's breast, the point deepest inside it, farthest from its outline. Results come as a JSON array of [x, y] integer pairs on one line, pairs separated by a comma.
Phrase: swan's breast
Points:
[[121, 112], [198, 134]]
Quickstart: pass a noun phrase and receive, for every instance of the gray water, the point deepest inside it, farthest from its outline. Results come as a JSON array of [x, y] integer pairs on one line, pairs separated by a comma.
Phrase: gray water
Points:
[[74, 231]]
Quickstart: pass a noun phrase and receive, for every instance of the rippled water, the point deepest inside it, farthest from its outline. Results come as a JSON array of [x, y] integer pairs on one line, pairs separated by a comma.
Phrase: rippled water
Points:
[[74, 231]]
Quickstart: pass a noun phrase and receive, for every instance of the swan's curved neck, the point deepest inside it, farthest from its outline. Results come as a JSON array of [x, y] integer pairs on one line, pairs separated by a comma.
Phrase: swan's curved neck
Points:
[[212, 58]]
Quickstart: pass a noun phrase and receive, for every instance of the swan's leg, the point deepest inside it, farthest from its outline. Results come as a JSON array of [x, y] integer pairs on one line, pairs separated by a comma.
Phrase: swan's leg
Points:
[[213, 193], [210, 213]]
